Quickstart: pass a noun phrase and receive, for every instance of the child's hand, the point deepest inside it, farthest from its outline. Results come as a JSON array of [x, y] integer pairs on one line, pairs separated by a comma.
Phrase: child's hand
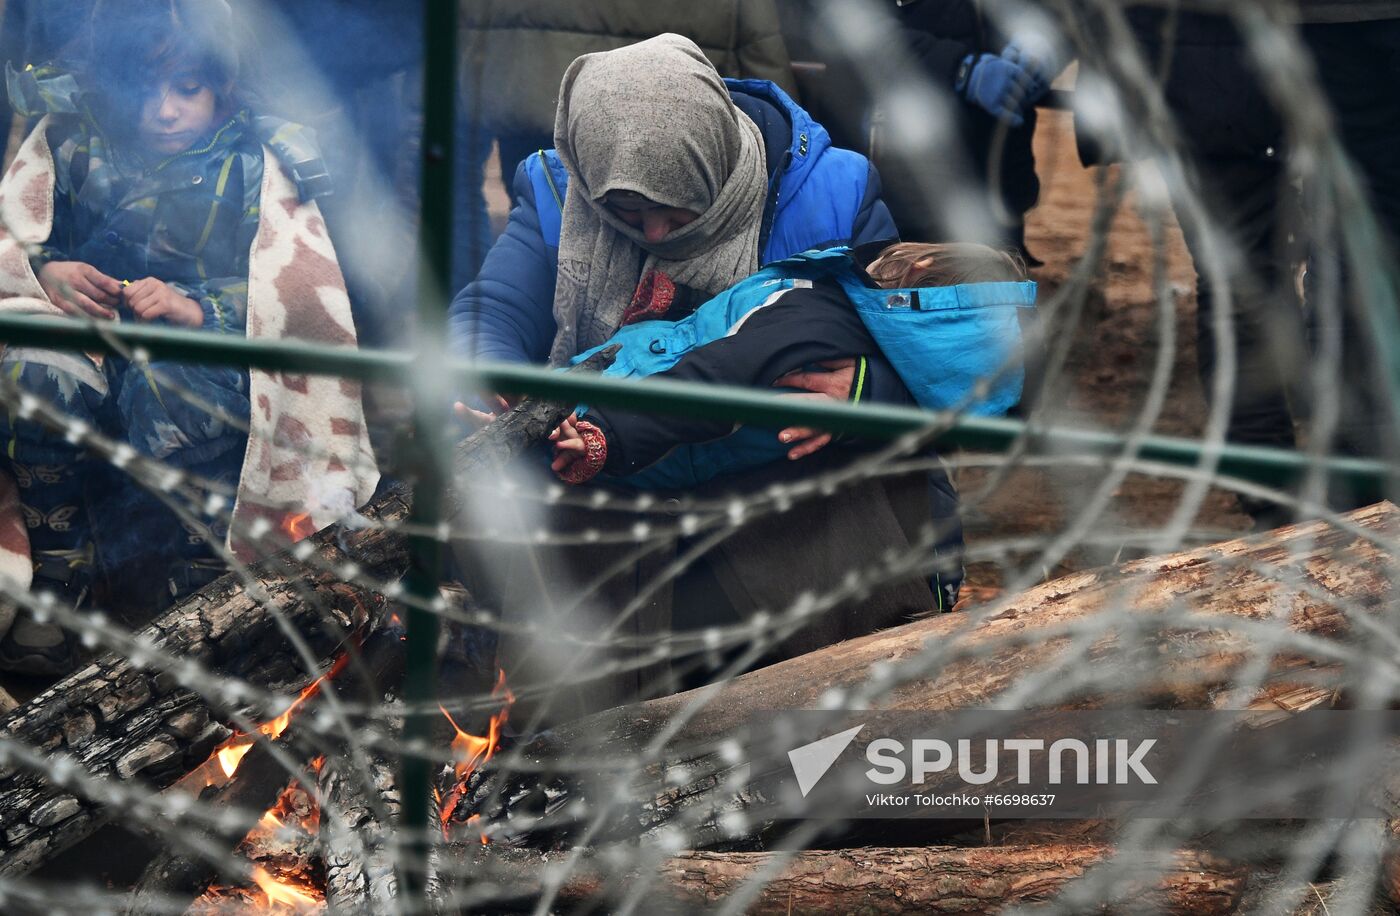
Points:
[[151, 299], [479, 418], [568, 446], [580, 450], [80, 289]]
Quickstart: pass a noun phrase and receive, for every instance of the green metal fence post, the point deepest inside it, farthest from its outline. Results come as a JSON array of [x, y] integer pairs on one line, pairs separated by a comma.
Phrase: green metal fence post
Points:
[[431, 456], [1273, 466]]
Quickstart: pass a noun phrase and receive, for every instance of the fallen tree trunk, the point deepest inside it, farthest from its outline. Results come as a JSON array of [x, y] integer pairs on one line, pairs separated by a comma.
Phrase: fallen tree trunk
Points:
[[1316, 573], [938, 879], [1246, 578], [122, 719]]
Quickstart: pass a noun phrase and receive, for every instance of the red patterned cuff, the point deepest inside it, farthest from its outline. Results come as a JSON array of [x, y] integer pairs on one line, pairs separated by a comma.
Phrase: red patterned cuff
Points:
[[595, 455]]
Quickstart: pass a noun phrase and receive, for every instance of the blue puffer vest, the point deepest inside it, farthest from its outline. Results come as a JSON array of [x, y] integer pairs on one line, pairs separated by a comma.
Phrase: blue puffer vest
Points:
[[954, 347], [814, 193]]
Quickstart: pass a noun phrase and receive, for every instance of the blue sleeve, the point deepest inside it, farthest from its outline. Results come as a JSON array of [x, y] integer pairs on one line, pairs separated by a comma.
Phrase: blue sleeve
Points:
[[507, 312], [873, 221], [224, 301]]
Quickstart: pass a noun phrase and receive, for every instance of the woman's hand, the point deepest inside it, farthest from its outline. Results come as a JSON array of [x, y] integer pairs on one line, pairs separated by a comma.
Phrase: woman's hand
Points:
[[80, 289], [150, 299], [832, 384]]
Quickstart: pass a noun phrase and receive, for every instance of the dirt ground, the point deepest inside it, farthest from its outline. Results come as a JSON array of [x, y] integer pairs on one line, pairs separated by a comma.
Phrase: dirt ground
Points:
[[1106, 380]]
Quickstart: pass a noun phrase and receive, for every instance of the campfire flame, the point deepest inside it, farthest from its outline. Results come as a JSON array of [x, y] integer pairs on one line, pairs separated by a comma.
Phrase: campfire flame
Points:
[[298, 526], [230, 754], [472, 751], [279, 893], [279, 878]]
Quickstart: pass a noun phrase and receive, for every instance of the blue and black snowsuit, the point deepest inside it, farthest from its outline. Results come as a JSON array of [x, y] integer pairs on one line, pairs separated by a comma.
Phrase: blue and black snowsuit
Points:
[[189, 220], [954, 347]]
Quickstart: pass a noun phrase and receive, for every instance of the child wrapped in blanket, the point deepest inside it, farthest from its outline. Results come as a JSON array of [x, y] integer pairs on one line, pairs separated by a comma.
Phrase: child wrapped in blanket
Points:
[[162, 182]]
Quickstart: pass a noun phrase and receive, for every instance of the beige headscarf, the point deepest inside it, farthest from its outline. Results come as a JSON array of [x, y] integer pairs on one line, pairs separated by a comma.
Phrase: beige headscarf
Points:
[[653, 118]]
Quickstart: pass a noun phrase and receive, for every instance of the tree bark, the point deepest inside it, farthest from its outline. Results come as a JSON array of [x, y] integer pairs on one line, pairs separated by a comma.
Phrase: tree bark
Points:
[[356, 845], [118, 719], [1316, 573], [937, 879]]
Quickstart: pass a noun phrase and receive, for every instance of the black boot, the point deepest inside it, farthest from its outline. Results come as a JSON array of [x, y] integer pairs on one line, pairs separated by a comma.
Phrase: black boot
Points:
[[44, 648]]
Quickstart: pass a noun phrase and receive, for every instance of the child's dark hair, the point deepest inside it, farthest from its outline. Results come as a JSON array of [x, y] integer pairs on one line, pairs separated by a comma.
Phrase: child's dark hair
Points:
[[131, 45], [908, 264]]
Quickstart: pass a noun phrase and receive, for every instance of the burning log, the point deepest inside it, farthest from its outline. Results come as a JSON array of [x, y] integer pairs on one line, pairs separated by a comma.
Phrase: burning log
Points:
[[1320, 574], [937, 879], [260, 777], [361, 804], [118, 719], [180, 874], [283, 847]]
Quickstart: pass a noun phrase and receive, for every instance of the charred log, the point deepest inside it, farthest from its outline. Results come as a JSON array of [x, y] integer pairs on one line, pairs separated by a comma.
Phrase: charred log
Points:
[[360, 804], [356, 842], [179, 873]]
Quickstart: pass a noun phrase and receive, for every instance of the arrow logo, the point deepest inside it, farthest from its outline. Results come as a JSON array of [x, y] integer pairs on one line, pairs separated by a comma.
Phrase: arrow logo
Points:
[[811, 761]]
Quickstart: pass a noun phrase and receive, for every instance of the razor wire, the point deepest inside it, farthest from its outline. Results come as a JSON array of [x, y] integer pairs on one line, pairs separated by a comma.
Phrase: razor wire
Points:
[[1119, 93]]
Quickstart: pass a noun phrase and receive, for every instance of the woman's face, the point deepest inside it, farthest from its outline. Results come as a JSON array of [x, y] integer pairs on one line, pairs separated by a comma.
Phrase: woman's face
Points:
[[176, 114], [655, 221]]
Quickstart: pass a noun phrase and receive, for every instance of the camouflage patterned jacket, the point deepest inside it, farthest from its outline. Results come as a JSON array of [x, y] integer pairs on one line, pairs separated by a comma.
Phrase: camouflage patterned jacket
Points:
[[188, 219]]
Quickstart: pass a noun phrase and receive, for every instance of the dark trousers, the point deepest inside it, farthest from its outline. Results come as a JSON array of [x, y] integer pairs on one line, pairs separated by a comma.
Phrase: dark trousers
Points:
[[1358, 66], [1244, 196], [583, 621], [70, 500], [1243, 182]]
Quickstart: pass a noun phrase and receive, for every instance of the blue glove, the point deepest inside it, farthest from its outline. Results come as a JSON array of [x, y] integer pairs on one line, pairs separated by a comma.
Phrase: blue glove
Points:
[[1037, 55], [996, 85]]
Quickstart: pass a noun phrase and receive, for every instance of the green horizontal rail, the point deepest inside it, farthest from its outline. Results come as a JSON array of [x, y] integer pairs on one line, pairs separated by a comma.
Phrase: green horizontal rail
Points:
[[1271, 466]]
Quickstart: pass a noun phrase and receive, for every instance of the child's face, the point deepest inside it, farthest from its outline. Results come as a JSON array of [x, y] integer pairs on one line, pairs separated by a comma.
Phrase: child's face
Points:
[[178, 112]]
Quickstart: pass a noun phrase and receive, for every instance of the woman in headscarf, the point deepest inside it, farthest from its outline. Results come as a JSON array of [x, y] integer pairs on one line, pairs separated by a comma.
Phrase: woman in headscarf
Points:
[[666, 182], [668, 185]]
